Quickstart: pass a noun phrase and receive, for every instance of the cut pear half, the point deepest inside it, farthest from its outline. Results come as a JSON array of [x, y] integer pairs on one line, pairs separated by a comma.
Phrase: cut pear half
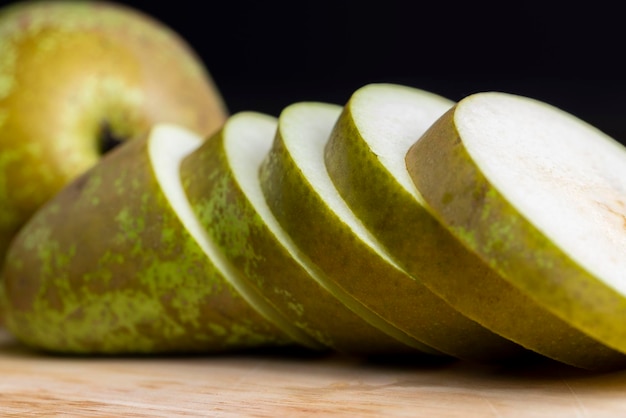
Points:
[[222, 183], [115, 264], [538, 195], [305, 202], [365, 159]]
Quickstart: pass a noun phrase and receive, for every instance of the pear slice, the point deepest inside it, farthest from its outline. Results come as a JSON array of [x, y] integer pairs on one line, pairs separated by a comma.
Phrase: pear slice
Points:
[[116, 263], [222, 183], [305, 202], [538, 195], [364, 157]]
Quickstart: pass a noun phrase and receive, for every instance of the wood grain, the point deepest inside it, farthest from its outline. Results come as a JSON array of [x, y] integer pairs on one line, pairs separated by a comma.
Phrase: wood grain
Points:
[[274, 385]]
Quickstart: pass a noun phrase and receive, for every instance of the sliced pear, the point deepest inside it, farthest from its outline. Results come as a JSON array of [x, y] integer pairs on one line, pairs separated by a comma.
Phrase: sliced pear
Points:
[[538, 195], [222, 184], [117, 263], [364, 157], [305, 202]]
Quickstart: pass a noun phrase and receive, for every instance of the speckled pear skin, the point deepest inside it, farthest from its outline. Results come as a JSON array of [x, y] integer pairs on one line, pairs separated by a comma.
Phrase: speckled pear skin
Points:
[[234, 224], [386, 289], [505, 297], [107, 267], [70, 70]]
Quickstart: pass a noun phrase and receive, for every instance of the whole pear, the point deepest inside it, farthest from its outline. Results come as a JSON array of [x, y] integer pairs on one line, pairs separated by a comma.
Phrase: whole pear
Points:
[[77, 78]]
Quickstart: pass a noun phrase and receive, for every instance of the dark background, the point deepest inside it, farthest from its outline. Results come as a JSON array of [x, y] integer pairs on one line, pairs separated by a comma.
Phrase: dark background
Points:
[[265, 55]]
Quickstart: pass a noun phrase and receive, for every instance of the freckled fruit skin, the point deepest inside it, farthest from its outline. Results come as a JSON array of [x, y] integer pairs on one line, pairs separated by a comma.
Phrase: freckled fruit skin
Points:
[[232, 220], [106, 266], [70, 71]]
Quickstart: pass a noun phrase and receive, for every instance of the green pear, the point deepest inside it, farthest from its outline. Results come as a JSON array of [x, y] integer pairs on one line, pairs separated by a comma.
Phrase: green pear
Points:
[[537, 195], [365, 156], [222, 183], [117, 263], [76, 78], [302, 197]]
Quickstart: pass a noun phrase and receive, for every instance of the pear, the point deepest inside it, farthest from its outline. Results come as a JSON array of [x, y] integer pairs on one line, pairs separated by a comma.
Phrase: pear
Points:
[[117, 263], [77, 78], [537, 194], [302, 197], [365, 156], [222, 183]]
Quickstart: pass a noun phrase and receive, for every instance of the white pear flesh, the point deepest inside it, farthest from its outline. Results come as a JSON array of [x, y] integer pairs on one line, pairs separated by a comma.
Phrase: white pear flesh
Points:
[[222, 183], [388, 119], [115, 263], [306, 203], [538, 195]]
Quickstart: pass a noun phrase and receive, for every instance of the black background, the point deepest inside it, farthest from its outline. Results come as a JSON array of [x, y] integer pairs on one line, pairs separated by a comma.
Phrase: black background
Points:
[[265, 55]]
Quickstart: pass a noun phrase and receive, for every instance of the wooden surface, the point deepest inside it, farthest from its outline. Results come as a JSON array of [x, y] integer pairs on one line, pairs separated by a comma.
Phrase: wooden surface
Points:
[[278, 385]]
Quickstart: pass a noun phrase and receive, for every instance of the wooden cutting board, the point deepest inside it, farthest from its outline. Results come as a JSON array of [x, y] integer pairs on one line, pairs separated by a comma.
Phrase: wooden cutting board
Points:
[[280, 385]]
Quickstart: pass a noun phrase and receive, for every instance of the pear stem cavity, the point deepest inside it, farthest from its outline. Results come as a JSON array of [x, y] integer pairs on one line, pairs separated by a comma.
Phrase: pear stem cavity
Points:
[[107, 139]]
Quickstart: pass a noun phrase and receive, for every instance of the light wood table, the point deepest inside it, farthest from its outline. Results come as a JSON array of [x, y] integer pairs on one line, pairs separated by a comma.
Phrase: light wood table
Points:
[[270, 385]]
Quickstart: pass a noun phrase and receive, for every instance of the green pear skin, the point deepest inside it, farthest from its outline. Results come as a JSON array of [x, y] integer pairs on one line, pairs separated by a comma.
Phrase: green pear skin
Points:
[[231, 218], [507, 299], [73, 74], [106, 266]]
